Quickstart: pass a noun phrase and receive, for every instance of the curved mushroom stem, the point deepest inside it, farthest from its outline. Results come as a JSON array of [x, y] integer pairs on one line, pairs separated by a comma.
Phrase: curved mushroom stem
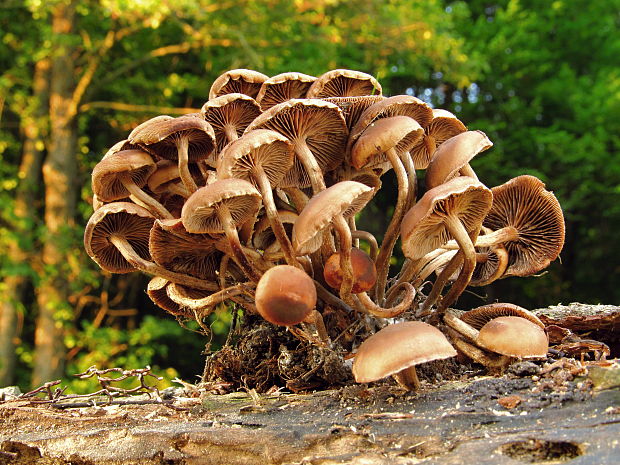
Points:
[[316, 319], [467, 331], [489, 360], [183, 154], [468, 254], [412, 179], [310, 164], [391, 234], [381, 312], [440, 283], [432, 266], [408, 378], [274, 220], [500, 236], [298, 198], [430, 144], [233, 239], [146, 266], [144, 199], [203, 306], [330, 298], [346, 242], [368, 237]]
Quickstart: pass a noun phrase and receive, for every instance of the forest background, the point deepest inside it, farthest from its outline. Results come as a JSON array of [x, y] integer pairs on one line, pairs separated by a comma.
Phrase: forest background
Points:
[[542, 79]]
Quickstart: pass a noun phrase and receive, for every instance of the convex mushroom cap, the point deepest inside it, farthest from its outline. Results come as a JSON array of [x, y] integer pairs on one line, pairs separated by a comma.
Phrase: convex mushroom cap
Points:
[[344, 83], [398, 347], [242, 81], [513, 336]]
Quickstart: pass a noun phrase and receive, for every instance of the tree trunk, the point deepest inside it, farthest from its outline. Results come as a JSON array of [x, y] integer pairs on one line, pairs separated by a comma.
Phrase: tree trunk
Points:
[[59, 176], [25, 209]]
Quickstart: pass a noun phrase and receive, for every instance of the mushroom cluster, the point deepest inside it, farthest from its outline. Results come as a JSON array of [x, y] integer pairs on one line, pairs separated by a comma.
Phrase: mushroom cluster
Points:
[[253, 200]]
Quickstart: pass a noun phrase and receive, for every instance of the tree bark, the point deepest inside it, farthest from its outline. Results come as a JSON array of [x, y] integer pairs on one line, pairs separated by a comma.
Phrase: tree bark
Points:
[[27, 195], [59, 177]]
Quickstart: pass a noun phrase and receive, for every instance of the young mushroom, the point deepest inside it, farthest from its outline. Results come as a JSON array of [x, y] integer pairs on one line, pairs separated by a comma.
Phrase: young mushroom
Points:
[[395, 351], [364, 271]]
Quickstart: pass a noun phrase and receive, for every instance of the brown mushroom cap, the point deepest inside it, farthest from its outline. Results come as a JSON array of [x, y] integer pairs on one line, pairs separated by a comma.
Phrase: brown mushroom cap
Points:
[[345, 198], [443, 126], [285, 295], [157, 292], [364, 271], [423, 230], [479, 316], [239, 196], [536, 217], [242, 81], [172, 247], [398, 347], [513, 336], [317, 130], [229, 115], [106, 182], [124, 219], [283, 87], [161, 136], [453, 155], [344, 83], [353, 107]]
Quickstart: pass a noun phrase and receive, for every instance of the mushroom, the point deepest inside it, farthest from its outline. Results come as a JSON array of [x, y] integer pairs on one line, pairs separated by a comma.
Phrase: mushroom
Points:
[[283, 87], [343, 83], [364, 271], [242, 81], [157, 292], [166, 179], [262, 157], [286, 296], [395, 351], [123, 174], [221, 207], [388, 138], [452, 157], [353, 107], [452, 210], [116, 238], [318, 133], [185, 139], [442, 127], [229, 115]]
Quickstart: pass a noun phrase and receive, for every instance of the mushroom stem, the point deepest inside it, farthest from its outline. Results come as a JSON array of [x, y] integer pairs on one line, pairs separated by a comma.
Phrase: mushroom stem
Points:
[[298, 198], [235, 244], [500, 236], [330, 298], [230, 132], [502, 263], [272, 214], [467, 170], [412, 179], [202, 306], [183, 154], [146, 266], [143, 198], [370, 239], [310, 164], [430, 144], [408, 378], [316, 319], [382, 312], [391, 234], [346, 242], [478, 355], [454, 322]]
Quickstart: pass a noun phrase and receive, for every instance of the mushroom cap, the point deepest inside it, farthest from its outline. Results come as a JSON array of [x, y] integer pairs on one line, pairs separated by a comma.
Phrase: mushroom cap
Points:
[[199, 214], [525, 204], [124, 219], [423, 229], [451, 156], [398, 132], [263, 236], [364, 271], [479, 316], [157, 292], [285, 295], [161, 136], [513, 336], [173, 248], [242, 81], [235, 111], [283, 87], [353, 107], [314, 122], [397, 347], [443, 126], [344, 198], [488, 271], [398, 105], [105, 176], [120, 145], [268, 149], [343, 83]]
